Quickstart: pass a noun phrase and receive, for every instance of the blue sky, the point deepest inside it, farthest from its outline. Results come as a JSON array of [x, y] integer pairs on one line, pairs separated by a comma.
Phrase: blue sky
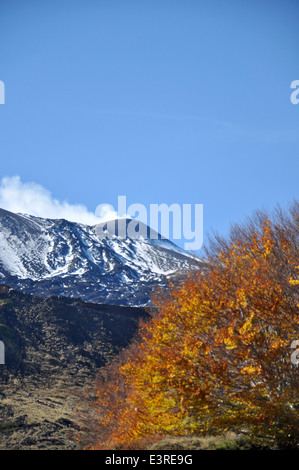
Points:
[[162, 101]]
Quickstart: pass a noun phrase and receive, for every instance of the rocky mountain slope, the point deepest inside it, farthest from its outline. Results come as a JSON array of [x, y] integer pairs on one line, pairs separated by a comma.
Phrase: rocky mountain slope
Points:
[[53, 349], [57, 257]]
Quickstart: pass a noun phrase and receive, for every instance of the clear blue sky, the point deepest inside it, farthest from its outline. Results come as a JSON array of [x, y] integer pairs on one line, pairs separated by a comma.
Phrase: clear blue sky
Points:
[[162, 101]]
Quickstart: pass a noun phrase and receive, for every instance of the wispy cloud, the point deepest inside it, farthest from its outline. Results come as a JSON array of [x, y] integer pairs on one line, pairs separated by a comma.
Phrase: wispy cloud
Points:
[[222, 129], [32, 198]]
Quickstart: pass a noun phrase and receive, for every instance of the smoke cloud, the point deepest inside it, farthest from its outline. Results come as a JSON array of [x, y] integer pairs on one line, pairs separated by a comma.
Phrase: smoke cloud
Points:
[[32, 198]]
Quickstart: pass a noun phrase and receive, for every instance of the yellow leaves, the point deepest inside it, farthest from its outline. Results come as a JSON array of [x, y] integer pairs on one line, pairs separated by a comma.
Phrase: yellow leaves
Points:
[[227, 337], [247, 325], [242, 298], [230, 343], [278, 343], [251, 370], [267, 246], [292, 281], [267, 238]]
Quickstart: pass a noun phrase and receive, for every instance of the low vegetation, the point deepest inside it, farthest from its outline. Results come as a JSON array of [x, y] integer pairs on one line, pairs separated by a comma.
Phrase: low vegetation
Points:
[[53, 348]]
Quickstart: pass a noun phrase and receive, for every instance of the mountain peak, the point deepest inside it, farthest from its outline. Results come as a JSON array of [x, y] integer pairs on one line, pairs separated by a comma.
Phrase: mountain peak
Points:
[[58, 257]]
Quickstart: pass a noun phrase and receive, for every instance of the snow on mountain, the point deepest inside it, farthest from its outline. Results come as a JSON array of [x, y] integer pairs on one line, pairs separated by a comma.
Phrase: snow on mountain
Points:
[[58, 257]]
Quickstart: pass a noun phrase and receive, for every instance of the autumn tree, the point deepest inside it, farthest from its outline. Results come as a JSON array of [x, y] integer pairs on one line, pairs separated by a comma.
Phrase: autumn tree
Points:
[[216, 356]]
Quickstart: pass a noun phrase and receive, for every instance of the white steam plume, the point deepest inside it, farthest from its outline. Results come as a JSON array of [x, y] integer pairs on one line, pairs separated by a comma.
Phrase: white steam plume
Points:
[[34, 199]]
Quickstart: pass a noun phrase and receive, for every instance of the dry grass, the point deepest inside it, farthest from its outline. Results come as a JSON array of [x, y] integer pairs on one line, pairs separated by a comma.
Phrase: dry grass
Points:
[[228, 441], [40, 417]]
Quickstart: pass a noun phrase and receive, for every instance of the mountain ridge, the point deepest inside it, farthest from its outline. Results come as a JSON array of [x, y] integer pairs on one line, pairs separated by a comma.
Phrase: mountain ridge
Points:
[[57, 257]]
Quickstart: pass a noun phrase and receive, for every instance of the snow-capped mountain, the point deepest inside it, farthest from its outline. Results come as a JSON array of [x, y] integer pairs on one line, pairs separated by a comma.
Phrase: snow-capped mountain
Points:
[[58, 257]]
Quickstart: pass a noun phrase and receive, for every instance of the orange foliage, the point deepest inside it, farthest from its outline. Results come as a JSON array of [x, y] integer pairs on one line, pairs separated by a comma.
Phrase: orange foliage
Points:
[[217, 355]]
